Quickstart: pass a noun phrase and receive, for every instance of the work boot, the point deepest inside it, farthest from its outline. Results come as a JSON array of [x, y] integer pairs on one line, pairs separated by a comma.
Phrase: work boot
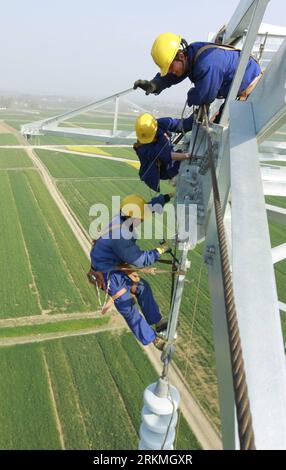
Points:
[[159, 343], [161, 328], [161, 325]]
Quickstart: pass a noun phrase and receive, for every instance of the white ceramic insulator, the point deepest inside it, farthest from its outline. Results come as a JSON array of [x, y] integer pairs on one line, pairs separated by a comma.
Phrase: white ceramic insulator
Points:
[[159, 419]]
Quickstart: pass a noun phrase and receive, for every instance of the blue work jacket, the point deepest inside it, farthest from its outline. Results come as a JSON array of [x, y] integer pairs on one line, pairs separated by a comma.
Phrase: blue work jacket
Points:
[[118, 244], [155, 158], [212, 74]]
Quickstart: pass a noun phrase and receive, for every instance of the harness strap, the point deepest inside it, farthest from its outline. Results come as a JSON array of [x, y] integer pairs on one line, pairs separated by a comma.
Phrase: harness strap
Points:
[[212, 46], [119, 293], [245, 93], [110, 302]]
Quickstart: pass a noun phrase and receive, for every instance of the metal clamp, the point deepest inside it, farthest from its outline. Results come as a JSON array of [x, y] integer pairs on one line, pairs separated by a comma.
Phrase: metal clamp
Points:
[[209, 255]]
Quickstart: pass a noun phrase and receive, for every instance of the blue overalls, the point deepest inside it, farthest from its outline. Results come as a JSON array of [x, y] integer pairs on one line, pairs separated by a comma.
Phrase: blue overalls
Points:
[[212, 74], [155, 158], [113, 249]]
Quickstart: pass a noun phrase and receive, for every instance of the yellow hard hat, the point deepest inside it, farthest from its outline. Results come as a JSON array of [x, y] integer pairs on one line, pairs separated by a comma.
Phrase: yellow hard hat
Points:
[[164, 50], [146, 128], [134, 206]]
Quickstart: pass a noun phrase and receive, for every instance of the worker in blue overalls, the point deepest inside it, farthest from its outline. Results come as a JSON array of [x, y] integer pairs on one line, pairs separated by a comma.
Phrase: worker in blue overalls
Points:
[[111, 256], [155, 150], [211, 67]]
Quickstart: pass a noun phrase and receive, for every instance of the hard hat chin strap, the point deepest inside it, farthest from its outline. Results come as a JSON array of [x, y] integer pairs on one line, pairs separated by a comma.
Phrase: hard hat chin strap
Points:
[[184, 46]]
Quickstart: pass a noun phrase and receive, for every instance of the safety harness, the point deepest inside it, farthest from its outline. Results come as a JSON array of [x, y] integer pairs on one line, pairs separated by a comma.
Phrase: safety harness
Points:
[[245, 93], [97, 277]]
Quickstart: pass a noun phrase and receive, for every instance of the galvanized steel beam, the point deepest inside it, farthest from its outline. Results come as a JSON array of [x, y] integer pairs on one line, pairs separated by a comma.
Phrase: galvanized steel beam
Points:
[[269, 99], [254, 285]]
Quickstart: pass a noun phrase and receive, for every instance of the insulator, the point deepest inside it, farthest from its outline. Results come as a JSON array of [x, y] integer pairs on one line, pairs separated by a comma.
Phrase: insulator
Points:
[[159, 416]]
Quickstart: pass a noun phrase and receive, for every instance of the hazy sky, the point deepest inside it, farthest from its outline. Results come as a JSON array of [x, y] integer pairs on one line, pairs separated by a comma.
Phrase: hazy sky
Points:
[[96, 48]]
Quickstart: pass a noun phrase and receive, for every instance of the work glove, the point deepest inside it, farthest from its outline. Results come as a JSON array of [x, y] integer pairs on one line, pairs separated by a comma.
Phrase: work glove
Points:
[[146, 85], [163, 248], [168, 197]]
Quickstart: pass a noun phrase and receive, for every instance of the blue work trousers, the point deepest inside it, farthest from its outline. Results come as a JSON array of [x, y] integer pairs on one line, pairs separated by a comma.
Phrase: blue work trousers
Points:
[[126, 305]]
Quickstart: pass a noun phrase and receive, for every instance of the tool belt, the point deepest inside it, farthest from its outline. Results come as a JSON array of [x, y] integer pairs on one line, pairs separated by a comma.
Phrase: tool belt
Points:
[[97, 279], [132, 274]]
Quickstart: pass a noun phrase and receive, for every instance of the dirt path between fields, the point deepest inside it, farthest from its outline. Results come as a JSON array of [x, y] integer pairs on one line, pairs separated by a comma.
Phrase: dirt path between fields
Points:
[[3, 129], [47, 318], [77, 229], [191, 411], [54, 403], [115, 324], [6, 129]]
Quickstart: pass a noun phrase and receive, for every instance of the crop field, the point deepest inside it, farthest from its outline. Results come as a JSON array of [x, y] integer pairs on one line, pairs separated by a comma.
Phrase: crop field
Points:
[[18, 291], [81, 195], [276, 201], [16, 123], [27, 419], [73, 393], [98, 124], [275, 162], [195, 356], [62, 140], [54, 327], [121, 152], [76, 393], [42, 268], [84, 181], [100, 121], [63, 165], [278, 236], [14, 158], [8, 139]]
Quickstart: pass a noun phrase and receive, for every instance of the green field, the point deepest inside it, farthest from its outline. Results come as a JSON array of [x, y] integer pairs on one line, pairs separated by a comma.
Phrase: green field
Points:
[[93, 385], [276, 201], [18, 292], [63, 165], [61, 140], [16, 123], [55, 327], [27, 420], [276, 163], [278, 236], [8, 139], [90, 375], [198, 357], [121, 152], [98, 124], [99, 121], [14, 158], [42, 267]]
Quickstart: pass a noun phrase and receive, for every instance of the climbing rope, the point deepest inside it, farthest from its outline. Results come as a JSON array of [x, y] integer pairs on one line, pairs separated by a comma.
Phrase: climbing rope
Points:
[[245, 429]]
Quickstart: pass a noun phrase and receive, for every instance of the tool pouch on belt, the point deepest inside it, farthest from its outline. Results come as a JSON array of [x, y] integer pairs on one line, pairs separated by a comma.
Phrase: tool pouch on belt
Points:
[[133, 275], [96, 278]]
